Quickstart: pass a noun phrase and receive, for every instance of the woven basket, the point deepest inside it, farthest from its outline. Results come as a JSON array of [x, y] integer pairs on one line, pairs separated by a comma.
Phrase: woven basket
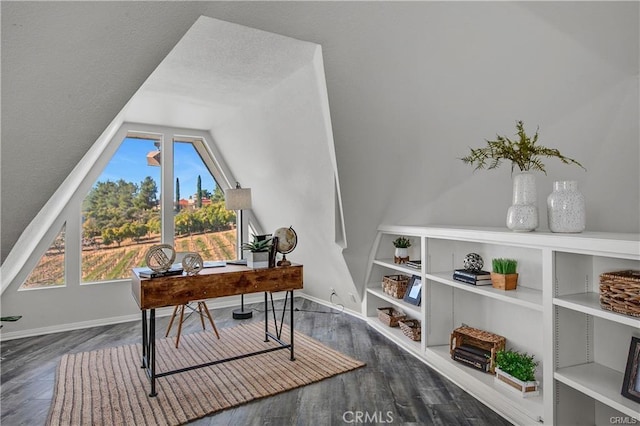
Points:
[[395, 285], [480, 339], [620, 292], [390, 316], [411, 328]]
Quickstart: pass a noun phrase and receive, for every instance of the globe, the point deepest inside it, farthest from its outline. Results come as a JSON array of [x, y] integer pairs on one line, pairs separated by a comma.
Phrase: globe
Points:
[[287, 241]]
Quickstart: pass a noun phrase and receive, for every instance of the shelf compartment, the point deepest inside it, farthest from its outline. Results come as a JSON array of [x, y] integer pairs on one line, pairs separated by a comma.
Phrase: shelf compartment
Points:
[[589, 303], [396, 336], [411, 310], [531, 408], [401, 267], [522, 296], [600, 383]]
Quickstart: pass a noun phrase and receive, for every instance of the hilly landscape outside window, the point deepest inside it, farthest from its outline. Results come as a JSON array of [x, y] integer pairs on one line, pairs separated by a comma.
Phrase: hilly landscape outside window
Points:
[[122, 214], [49, 272], [201, 222]]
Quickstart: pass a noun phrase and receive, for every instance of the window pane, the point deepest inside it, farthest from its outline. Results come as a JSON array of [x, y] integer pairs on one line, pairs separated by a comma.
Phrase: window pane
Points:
[[121, 213], [49, 272], [202, 224]]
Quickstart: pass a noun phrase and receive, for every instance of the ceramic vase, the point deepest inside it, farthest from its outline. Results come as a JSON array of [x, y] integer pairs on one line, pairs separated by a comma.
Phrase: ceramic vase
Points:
[[401, 255], [522, 216], [566, 208]]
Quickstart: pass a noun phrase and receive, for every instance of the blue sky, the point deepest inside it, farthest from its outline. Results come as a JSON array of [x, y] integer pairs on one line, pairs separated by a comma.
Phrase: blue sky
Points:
[[130, 163]]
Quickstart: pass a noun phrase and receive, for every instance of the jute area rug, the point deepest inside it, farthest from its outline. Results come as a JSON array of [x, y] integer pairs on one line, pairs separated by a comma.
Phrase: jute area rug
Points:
[[108, 387]]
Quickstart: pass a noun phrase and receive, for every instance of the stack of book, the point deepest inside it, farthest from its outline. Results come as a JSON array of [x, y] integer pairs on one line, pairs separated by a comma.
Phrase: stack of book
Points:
[[148, 273], [475, 357], [416, 264], [472, 277]]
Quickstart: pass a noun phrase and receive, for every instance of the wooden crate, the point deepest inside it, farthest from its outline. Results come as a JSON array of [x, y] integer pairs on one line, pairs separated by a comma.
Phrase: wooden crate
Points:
[[466, 335]]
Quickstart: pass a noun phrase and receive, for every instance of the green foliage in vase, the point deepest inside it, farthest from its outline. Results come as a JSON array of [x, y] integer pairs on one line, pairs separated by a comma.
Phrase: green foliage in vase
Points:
[[257, 246], [523, 152], [402, 242], [520, 365], [504, 266]]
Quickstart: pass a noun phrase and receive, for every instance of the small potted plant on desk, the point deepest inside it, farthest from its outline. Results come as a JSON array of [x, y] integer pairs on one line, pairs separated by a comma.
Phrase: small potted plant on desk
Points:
[[504, 276], [258, 256], [402, 245], [517, 371]]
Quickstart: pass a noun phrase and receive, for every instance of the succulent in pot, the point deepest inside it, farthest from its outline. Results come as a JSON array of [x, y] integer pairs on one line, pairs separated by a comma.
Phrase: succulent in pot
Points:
[[402, 245], [258, 256]]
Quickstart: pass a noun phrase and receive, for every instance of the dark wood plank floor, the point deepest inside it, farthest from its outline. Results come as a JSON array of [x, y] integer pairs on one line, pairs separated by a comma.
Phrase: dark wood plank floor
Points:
[[394, 387]]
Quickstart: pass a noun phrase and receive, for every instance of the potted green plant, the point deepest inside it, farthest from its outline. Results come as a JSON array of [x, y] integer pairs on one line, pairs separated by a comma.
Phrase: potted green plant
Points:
[[258, 256], [504, 275], [517, 370], [525, 154], [402, 245]]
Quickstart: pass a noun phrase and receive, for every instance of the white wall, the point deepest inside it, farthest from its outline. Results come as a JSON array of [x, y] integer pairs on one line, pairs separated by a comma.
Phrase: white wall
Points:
[[278, 146], [411, 86]]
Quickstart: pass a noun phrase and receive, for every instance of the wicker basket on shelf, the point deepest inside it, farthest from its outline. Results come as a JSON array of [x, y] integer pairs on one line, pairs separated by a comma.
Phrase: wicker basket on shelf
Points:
[[395, 285], [620, 292], [390, 316], [411, 328]]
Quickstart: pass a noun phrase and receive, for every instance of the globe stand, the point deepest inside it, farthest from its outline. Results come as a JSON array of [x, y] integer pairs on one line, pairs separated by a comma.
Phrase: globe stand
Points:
[[284, 261], [241, 313]]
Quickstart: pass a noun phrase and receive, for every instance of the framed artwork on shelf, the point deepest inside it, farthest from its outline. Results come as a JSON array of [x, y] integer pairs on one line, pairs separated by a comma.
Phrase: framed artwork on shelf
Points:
[[414, 291], [631, 382]]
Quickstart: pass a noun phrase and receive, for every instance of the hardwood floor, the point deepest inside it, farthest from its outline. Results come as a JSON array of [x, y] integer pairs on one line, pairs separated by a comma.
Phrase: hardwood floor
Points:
[[393, 388]]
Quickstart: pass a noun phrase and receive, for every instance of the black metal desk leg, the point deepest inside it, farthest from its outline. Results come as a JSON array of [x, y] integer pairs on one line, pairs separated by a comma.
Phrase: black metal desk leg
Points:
[[144, 338], [152, 351], [291, 308], [266, 318]]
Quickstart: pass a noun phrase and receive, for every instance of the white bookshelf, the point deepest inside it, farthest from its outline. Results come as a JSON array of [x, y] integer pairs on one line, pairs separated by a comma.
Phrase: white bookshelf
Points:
[[554, 314]]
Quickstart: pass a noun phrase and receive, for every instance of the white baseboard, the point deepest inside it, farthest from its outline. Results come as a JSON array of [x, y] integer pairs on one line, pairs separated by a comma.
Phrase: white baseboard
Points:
[[213, 304], [331, 305]]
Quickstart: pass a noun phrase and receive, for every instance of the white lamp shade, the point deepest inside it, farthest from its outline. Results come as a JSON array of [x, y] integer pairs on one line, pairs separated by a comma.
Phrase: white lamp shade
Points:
[[237, 198]]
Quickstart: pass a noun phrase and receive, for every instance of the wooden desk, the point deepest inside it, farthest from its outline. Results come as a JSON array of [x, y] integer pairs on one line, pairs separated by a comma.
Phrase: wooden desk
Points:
[[209, 283]]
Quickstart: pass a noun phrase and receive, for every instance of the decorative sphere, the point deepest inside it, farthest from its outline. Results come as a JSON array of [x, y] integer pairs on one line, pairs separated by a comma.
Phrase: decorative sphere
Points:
[[473, 262]]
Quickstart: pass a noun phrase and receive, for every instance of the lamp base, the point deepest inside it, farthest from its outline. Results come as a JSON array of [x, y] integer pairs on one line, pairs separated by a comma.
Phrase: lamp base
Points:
[[242, 314]]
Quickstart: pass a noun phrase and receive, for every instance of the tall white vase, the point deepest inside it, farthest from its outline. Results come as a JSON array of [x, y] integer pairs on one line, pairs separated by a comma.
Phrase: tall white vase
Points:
[[566, 207], [522, 216]]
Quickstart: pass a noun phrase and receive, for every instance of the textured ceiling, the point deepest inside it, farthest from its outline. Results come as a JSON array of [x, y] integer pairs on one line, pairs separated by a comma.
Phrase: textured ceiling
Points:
[[215, 69]]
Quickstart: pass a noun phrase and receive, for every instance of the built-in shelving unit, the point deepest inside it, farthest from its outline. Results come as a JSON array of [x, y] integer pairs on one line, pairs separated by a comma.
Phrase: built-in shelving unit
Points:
[[554, 314]]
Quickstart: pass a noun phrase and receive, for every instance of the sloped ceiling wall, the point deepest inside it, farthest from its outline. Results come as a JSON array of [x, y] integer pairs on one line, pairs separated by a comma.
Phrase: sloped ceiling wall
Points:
[[411, 86], [263, 98]]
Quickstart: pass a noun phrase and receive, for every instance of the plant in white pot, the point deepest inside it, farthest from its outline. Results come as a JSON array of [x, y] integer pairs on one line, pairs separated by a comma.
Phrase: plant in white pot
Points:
[[402, 245], [517, 371], [258, 256], [526, 154]]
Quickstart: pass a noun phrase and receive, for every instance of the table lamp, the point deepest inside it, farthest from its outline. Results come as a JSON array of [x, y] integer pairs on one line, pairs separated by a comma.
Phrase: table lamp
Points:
[[239, 199]]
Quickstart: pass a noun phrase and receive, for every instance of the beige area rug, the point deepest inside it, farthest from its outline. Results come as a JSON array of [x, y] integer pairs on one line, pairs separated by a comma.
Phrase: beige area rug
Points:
[[108, 387]]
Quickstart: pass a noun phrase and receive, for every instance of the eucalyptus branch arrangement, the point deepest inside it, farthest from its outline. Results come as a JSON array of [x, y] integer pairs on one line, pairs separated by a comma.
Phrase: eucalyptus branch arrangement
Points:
[[523, 152]]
